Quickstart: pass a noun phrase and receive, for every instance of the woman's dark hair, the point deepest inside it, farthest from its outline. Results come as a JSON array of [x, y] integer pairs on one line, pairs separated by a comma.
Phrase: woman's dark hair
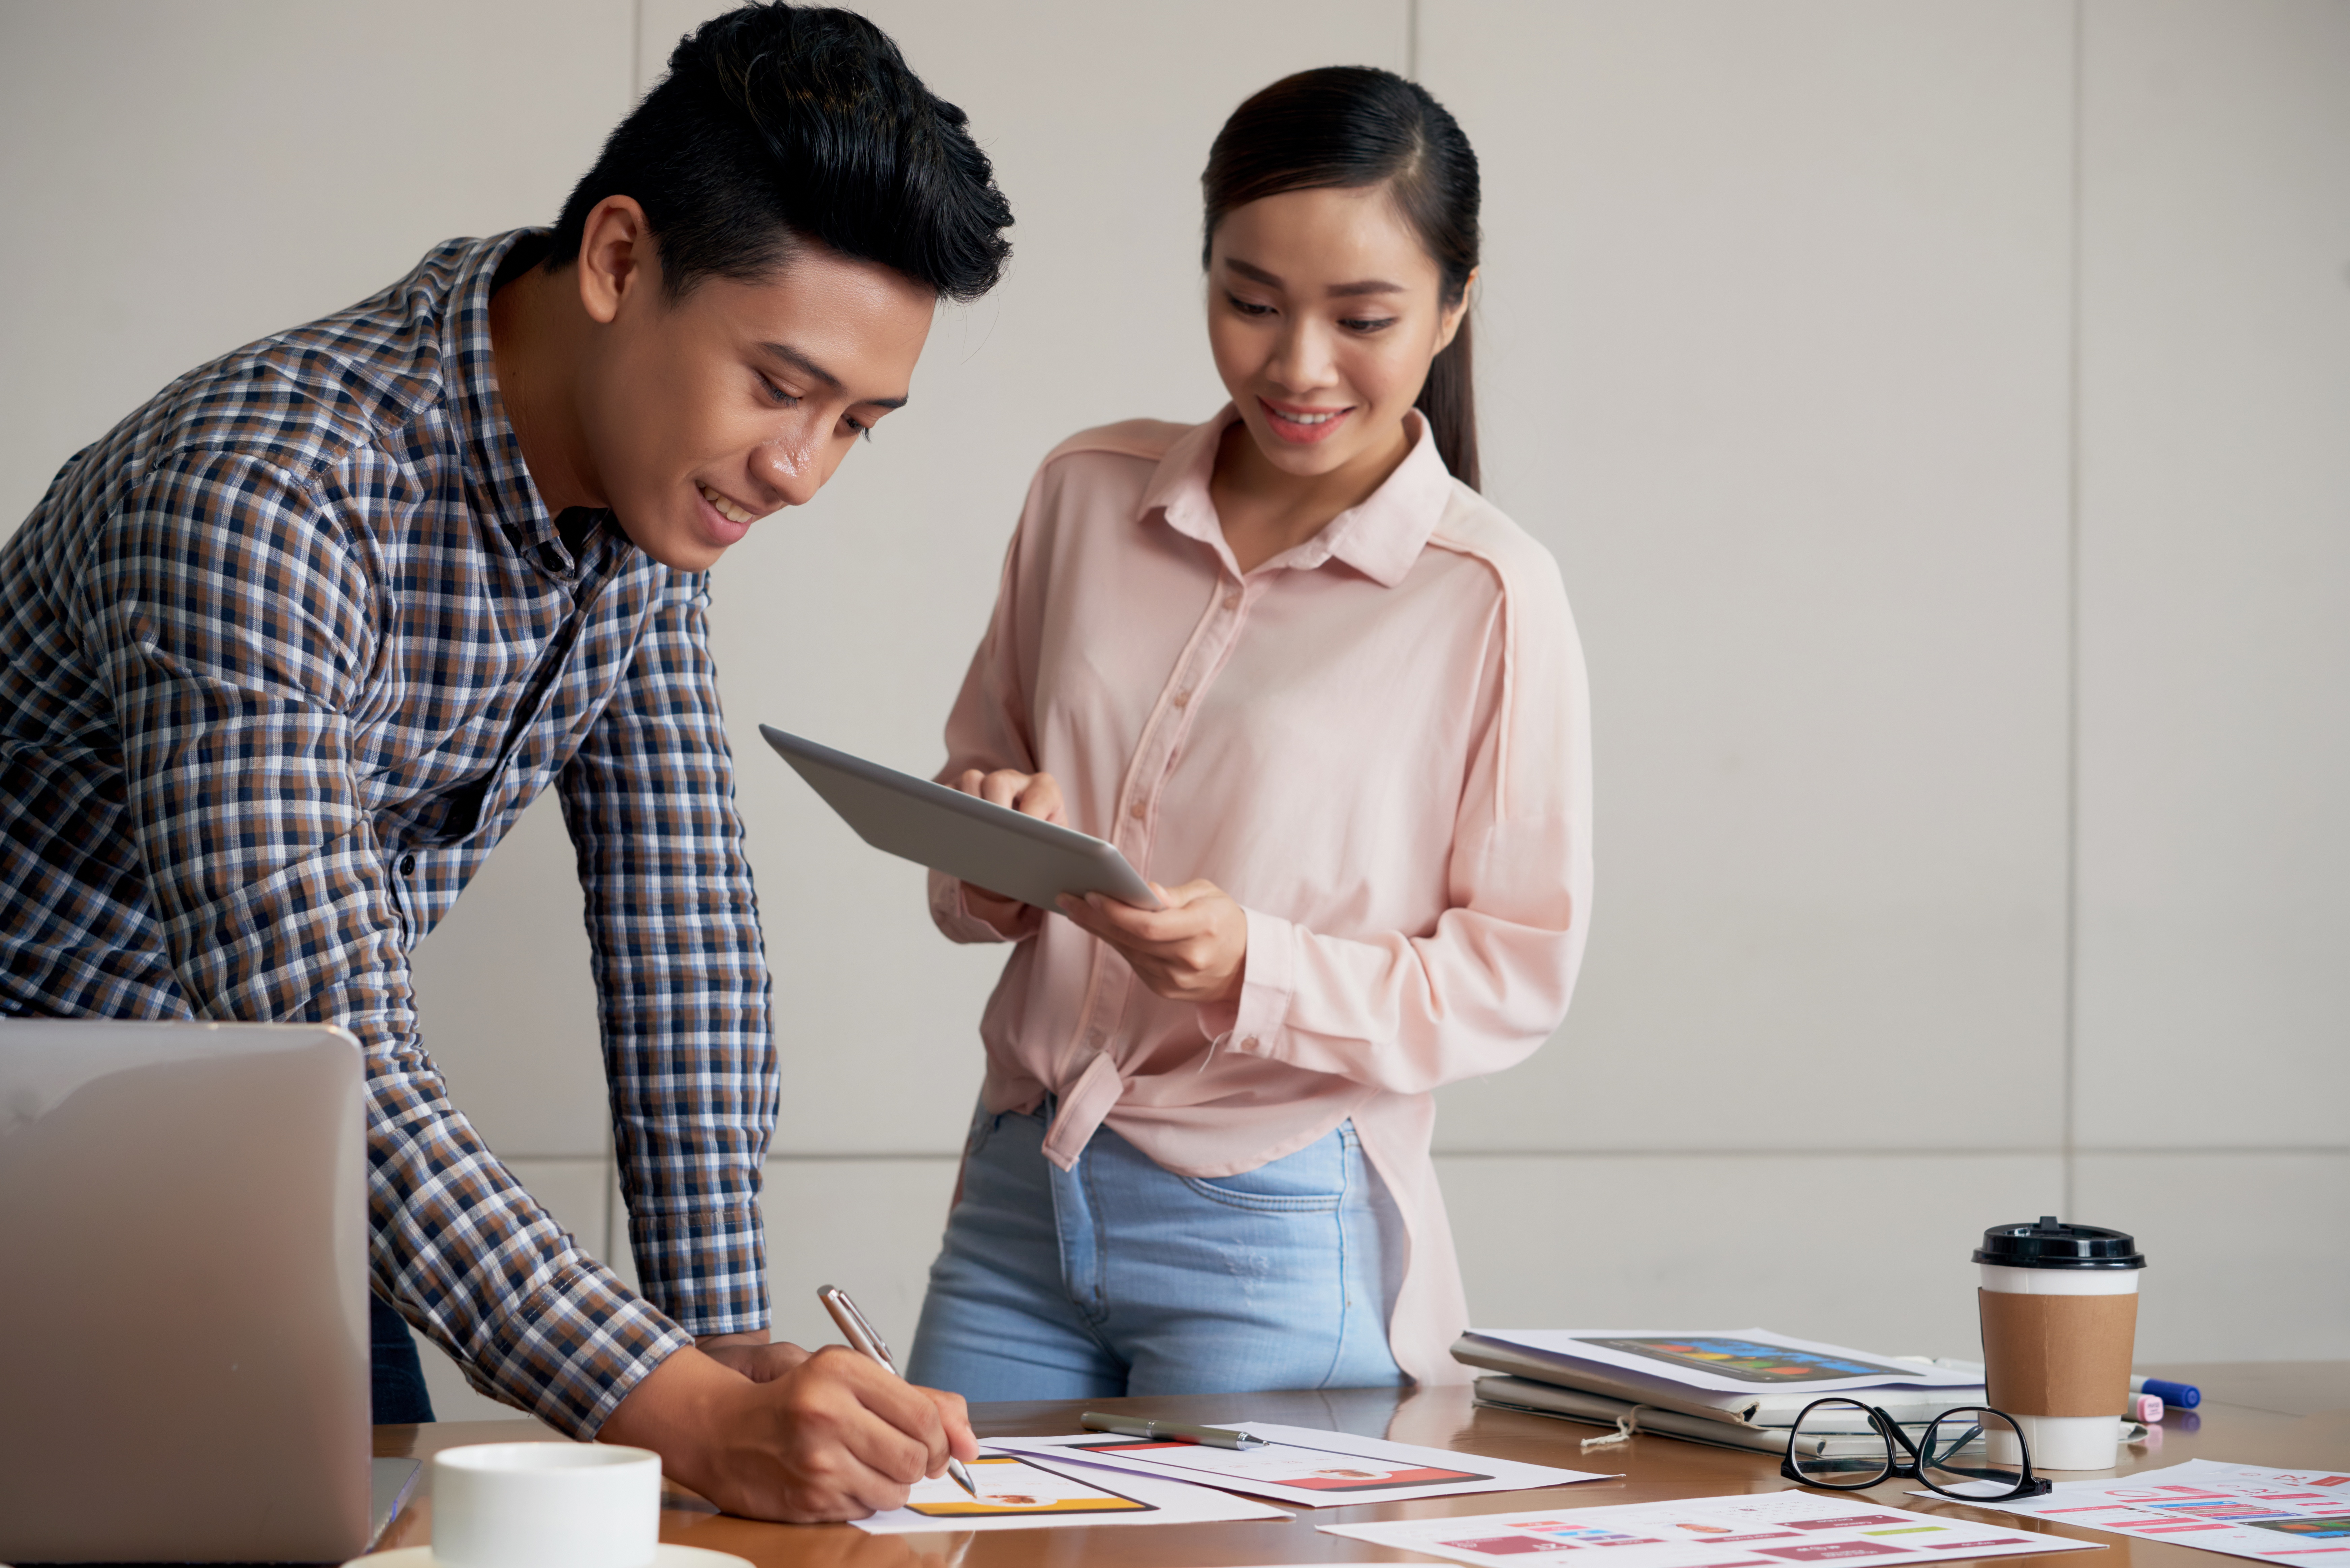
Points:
[[780, 122], [1352, 126]]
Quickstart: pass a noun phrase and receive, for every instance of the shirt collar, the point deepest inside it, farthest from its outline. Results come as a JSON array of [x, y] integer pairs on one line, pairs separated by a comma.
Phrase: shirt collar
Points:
[[1380, 537], [497, 480]]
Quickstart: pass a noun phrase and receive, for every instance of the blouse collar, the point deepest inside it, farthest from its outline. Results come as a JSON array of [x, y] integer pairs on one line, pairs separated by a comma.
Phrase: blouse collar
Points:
[[1380, 537]]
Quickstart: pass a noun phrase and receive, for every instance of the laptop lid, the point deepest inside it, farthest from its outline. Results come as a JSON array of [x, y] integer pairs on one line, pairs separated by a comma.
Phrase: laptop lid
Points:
[[183, 1324]]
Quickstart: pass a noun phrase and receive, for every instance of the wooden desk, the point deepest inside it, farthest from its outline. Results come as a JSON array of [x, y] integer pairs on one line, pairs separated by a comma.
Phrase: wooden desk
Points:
[[2256, 1430]]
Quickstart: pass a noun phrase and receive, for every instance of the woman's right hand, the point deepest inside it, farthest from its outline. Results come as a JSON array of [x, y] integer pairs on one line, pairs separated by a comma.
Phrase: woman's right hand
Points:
[[1030, 794]]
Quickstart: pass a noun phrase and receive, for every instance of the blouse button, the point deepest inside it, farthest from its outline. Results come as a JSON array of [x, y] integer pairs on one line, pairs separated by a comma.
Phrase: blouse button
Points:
[[1231, 601], [1139, 811], [1182, 699], [1249, 1043]]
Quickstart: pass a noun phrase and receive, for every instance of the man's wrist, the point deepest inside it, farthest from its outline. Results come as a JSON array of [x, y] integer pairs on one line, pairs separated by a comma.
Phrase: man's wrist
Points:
[[671, 1409]]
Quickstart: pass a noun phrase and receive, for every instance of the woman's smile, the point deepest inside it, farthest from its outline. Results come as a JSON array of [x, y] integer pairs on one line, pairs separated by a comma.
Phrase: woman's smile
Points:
[[1303, 426]]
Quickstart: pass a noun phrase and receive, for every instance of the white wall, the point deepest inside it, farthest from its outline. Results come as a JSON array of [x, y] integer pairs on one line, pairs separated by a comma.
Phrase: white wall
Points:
[[1937, 409]]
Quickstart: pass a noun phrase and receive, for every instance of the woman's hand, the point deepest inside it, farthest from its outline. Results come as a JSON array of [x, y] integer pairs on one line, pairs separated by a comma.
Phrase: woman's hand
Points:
[[1195, 950], [1030, 794]]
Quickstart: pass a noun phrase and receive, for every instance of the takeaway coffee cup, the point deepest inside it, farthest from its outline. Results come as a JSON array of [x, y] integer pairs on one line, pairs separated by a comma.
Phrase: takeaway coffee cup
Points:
[[545, 1505], [2059, 1312]]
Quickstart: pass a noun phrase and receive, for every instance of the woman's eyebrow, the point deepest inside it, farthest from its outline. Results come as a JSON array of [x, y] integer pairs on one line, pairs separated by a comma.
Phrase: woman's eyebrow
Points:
[[1255, 274]]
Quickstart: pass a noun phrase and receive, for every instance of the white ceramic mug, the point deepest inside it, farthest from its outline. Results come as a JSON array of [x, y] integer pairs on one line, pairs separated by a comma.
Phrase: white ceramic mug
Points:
[[545, 1505]]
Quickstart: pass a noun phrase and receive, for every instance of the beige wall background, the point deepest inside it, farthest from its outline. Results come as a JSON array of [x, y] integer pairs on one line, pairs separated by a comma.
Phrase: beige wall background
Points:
[[1937, 407]]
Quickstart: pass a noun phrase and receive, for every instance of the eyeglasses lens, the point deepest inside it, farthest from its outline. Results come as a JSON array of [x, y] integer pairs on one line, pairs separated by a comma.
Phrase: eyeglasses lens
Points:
[[1973, 1453], [1835, 1444]]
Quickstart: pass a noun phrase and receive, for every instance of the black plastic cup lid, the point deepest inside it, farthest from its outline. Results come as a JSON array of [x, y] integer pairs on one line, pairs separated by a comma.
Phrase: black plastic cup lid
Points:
[[2050, 1243]]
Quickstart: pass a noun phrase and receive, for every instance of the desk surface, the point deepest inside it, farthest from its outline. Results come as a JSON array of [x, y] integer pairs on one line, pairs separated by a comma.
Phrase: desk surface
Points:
[[2284, 1414]]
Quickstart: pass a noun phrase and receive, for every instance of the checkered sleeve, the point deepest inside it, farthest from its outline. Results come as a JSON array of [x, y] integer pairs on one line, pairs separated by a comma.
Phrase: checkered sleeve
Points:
[[233, 624], [689, 1051]]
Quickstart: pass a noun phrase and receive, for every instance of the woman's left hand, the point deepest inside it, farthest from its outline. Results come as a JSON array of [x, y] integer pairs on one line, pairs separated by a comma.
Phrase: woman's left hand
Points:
[[1195, 950]]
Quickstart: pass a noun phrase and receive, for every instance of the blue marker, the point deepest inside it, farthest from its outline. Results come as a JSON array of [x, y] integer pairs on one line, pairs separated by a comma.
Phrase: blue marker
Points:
[[2185, 1396]]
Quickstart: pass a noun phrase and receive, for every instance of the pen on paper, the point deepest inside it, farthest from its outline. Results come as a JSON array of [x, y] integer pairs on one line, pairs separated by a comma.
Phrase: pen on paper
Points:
[[862, 1336], [1138, 1426]]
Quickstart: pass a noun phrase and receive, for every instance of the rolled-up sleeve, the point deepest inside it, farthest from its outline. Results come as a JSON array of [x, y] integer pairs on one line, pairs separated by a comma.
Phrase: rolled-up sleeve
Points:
[[674, 925], [234, 622]]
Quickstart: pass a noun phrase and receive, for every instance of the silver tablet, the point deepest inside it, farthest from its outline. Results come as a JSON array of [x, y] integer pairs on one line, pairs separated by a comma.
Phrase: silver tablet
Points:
[[987, 845]]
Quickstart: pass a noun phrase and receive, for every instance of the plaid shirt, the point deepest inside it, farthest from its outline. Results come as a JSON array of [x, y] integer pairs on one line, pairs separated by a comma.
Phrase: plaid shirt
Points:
[[281, 660]]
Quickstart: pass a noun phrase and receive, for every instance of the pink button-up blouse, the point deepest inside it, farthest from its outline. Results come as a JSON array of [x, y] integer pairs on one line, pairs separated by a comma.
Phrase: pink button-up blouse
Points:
[[1377, 742]]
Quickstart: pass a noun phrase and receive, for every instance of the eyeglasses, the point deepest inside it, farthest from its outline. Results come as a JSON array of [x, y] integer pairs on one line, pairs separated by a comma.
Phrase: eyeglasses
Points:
[[1971, 1453]]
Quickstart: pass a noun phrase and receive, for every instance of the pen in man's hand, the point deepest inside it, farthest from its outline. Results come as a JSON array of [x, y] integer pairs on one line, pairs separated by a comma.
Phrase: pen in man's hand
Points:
[[862, 1336]]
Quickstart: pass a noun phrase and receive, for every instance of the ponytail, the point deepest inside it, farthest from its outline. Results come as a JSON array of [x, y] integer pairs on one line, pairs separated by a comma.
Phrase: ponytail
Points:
[[1447, 401]]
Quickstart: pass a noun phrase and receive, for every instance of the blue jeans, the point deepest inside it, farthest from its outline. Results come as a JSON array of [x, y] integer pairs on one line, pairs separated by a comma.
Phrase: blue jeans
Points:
[[1121, 1277], [396, 1373]]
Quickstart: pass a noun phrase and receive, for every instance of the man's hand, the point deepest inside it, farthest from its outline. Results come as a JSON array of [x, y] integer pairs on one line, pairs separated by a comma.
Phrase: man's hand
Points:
[[751, 1354], [1030, 794], [1195, 950], [826, 1437]]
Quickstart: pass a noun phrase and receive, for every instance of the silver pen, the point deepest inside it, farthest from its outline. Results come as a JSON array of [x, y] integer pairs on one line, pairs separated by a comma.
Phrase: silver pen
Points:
[[862, 1336], [1138, 1426]]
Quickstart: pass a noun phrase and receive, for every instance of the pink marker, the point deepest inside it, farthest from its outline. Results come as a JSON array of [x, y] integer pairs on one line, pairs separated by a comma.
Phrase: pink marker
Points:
[[2147, 1407]]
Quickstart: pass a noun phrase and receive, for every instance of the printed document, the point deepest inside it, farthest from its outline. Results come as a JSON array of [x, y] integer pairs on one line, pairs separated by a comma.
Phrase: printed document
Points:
[[1018, 1493], [2245, 1510], [1305, 1466], [1722, 1361], [1766, 1530]]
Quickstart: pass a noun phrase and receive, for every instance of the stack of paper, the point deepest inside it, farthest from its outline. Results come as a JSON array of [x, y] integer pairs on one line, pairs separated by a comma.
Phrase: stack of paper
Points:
[[1739, 1388]]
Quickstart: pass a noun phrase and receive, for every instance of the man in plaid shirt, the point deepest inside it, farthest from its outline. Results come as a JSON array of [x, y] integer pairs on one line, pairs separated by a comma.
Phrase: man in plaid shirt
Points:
[[284, 654]]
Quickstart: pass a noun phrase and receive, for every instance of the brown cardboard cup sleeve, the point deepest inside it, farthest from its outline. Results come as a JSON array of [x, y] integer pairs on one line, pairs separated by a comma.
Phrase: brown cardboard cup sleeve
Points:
[[2057, 1355]]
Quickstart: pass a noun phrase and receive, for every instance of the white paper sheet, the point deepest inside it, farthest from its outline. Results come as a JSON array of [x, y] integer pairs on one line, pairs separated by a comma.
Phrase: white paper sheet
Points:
[[1766, 1530], [2293, 1517], [1015, 1493], [1304, 1466], [1732, 1361]]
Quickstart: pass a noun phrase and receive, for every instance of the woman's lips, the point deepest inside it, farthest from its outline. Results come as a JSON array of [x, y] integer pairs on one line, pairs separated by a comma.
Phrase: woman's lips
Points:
[[1318, 426]]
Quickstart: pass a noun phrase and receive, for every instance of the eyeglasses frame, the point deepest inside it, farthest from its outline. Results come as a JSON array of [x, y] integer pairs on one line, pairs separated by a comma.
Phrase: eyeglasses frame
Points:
[[2030, 1485]]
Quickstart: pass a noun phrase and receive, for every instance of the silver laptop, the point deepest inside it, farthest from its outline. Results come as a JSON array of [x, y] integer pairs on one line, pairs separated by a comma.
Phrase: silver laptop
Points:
[[184, 1313]]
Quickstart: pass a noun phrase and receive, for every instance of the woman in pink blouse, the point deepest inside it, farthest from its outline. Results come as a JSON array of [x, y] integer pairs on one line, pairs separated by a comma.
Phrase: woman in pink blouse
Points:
[[1301, 672]]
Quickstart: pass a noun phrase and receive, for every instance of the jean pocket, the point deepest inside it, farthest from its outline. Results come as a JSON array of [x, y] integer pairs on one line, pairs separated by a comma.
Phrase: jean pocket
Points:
[[1314, 1180]]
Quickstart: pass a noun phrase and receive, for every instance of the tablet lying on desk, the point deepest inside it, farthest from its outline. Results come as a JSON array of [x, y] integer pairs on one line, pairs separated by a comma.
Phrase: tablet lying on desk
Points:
[[987, 845]]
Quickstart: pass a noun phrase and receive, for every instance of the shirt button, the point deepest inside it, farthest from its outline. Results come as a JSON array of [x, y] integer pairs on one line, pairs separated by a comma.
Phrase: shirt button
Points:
[[1182, 699], [1140, 810], [1249, 1043], [408, 865], [1231, 601]]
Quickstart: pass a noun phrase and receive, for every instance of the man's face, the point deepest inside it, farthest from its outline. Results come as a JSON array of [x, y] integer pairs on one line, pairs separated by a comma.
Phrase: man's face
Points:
[[702, 415]]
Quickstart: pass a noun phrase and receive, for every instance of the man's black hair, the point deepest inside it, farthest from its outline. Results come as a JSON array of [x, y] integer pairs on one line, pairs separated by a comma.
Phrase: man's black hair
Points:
[[778, 123]]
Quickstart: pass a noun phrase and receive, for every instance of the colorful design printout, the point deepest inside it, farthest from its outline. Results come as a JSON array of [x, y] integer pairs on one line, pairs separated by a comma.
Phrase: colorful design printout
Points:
[[1769, 1529], [1304, 1466], [1749, 1360], [1019, 1493], [2290, 1517]]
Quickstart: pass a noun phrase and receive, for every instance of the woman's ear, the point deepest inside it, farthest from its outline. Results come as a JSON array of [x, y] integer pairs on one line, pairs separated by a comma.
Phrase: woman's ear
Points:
[[1449, 326]]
